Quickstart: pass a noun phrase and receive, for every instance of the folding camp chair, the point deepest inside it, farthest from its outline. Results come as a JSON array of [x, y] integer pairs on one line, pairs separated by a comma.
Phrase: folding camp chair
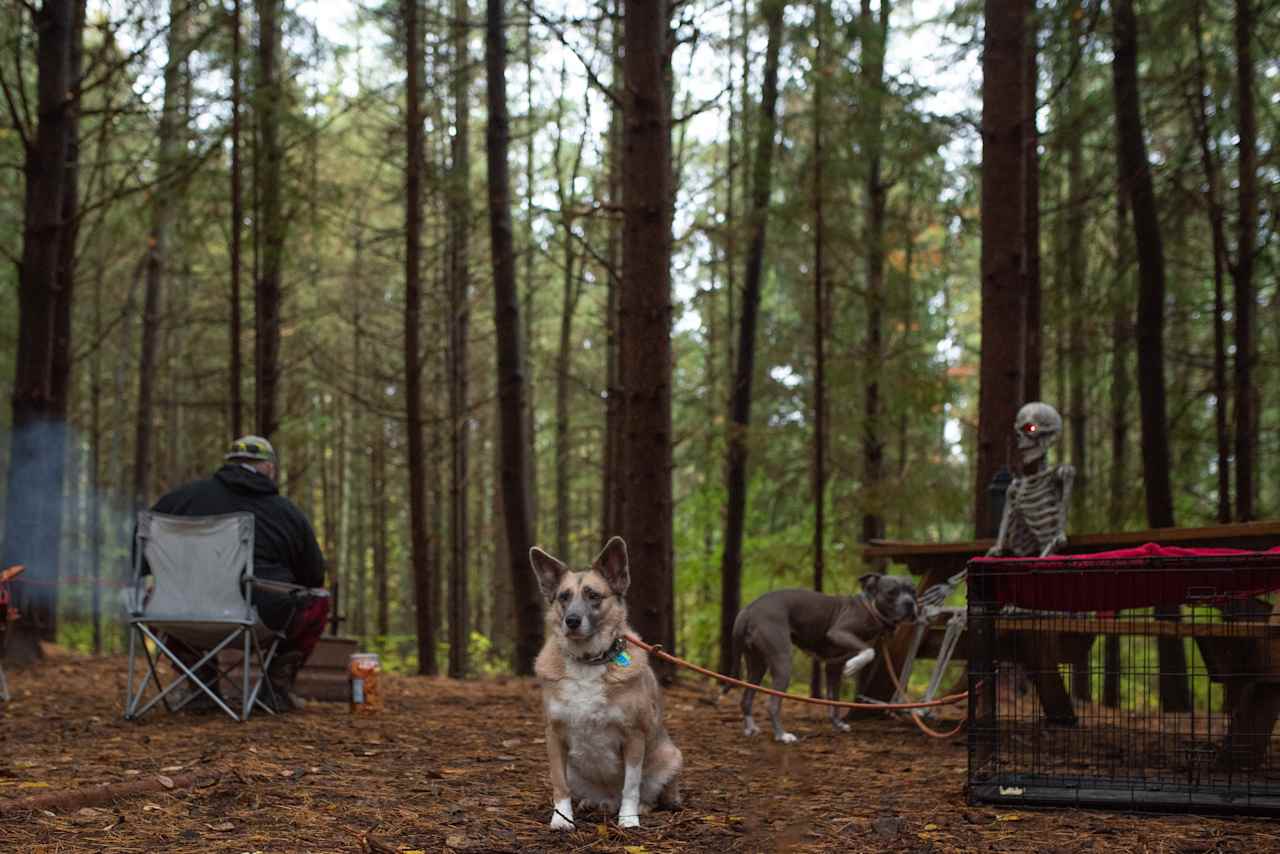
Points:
[[198, 592]]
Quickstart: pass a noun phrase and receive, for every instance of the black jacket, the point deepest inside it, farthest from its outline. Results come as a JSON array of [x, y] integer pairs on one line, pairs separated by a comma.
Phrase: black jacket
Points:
[[284, 544]]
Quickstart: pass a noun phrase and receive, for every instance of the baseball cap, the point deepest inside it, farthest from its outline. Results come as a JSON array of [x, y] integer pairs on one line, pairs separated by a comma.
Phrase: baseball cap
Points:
[[251, 448]]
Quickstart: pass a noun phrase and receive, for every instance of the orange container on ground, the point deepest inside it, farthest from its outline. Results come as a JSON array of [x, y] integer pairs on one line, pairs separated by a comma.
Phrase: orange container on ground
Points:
[[366, 691]]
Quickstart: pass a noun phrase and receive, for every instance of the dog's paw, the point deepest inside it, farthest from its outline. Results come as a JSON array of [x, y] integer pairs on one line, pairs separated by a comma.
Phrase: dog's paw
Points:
[[859, 661], [750, 728], [841, 726], [632, 820], [787, 738], [562, 815]]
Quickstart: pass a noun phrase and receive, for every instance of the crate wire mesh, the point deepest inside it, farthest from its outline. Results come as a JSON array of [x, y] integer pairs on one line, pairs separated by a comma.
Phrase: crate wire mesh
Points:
[[1147, 683]]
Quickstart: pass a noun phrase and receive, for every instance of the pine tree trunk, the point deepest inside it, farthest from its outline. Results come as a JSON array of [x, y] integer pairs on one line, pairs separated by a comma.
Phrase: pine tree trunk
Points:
[[613, 495], [874, 35], [95, 501], [645, 321], [1246, 402], [1137, 186], [66, 276], [1199, 110], [740, 397], [1031, 211], [268, 180], [459, 315], [378, 508], [419, 544], [164, 204], [1004, 313], [1118, 507], [1077, 263], [511, 389], [1135, 183], [530, 290], [37, 440], [503, 606], [821, 16], [237, 224]]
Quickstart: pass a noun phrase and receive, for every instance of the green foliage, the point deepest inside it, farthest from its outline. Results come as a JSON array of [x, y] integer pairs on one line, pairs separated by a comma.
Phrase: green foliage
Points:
[[342, 388]]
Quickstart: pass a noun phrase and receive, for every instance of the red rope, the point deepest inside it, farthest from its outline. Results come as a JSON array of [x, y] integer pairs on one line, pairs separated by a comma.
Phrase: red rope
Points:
[[657, 650]]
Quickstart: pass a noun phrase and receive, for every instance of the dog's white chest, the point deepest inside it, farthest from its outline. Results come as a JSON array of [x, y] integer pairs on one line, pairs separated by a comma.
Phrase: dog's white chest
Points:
[[580, 702]]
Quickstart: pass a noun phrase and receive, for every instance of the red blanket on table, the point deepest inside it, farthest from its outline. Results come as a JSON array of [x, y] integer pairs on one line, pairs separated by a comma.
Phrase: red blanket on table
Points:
[[1141, 577]]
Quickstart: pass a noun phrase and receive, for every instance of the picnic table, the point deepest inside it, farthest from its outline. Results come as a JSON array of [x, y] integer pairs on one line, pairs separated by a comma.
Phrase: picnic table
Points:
[[936, 562]]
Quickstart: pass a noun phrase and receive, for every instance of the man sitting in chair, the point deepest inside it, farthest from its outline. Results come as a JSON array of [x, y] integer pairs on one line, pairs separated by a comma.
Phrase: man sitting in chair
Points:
[[285, 549]]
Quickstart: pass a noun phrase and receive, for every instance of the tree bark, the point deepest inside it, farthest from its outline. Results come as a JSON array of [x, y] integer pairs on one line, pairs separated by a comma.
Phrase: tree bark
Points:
[[419, 544], [821, 16], [1247, 406], [95, 501], [378, 506], [1004, 314], [164, 207], [874, 35], [460, 319], [645, 321], [66, 276], [1199, 110], [37, 441], [571, 288], [268, 176], [740, 397], [237, 223], [613, 495], [1135, 184], [511, 391], [1135, 181], [530, 291], [1077, 263], [1033, 342], [1121, 385]]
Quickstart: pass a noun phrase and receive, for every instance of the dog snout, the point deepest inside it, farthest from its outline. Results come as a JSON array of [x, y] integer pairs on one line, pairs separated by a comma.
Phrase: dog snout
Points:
[[573, 621]]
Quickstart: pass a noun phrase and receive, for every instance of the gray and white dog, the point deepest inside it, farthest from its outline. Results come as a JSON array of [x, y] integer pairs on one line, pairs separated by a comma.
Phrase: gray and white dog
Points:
[[838, 630]]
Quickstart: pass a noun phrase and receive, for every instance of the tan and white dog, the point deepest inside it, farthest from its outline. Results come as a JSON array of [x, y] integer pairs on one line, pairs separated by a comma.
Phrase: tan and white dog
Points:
[[606, 741]]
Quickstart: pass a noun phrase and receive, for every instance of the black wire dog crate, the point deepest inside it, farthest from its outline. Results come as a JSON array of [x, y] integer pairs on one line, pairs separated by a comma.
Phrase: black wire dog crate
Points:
[[1144, 680]]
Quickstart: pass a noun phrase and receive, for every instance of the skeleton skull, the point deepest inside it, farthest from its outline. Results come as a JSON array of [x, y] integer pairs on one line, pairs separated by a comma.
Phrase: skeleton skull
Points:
[[1037, 426]]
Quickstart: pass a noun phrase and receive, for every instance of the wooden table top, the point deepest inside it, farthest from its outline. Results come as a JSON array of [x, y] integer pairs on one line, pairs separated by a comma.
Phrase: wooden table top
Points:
[[937, 558]]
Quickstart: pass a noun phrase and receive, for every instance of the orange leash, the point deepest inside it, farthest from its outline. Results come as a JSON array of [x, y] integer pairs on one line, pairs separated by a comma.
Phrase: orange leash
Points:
[[656, 649], [924, 727]]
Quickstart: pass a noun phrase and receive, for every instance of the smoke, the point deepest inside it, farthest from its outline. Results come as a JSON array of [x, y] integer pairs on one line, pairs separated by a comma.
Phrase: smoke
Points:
[[73, 538]]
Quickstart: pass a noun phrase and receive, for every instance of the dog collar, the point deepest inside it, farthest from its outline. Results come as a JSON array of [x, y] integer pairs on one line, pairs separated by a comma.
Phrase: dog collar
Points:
[[616, 650]]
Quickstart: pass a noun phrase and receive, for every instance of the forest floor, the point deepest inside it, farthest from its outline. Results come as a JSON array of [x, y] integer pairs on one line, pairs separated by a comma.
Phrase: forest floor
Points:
[[461, 767]]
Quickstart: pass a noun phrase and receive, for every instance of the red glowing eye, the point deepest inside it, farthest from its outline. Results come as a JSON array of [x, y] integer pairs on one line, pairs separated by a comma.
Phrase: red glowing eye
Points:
[[1030, 428]]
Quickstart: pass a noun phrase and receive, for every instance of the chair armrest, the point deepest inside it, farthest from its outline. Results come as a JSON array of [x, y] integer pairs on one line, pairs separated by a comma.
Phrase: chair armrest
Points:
[[285, 587]]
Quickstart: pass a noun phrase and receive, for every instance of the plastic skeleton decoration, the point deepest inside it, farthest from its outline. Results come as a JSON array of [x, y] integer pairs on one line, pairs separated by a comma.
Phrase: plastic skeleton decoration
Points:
[[1035, 507], [1034, 523]]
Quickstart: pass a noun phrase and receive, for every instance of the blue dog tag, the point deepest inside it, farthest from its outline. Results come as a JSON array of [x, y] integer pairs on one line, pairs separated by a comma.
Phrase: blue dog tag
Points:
[[622, 659]]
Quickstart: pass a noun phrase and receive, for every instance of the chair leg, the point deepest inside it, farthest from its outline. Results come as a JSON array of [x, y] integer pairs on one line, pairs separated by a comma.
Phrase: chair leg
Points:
[[129, 701], [245, 701], [263, 664], [133, 711], [187, 675]]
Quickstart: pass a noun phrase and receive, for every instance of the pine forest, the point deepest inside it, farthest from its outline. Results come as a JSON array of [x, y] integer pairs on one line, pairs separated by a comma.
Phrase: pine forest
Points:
[[749, 283]]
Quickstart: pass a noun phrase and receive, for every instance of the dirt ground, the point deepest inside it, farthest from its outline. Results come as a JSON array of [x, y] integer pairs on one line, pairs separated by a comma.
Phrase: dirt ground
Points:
[[460, 766]]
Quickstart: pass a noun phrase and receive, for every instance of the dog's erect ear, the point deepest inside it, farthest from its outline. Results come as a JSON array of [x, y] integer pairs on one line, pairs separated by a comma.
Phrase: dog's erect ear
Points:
[[548, 570], [871, 583], [612, 564]]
